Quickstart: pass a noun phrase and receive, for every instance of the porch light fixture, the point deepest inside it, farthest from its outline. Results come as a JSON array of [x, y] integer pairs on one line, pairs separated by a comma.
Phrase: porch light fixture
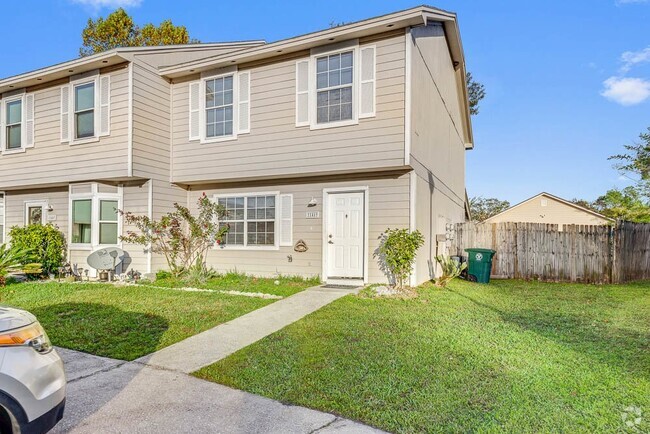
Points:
[[312, 202]]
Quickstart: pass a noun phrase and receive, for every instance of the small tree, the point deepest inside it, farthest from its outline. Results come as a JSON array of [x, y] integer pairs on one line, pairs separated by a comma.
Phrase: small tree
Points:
[[397, 251], [46, 242], [180, 236]]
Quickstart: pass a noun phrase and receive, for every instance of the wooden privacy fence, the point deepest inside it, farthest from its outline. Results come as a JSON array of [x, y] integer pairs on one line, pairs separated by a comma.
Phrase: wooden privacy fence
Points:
[[577, 253]]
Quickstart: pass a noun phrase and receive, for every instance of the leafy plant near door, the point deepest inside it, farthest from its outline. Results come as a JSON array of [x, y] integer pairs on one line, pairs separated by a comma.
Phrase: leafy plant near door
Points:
[[397, 252], [182, 237], [46, 242]]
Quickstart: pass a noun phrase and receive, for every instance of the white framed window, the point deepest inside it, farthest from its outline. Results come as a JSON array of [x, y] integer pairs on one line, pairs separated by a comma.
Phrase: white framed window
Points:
[[17, 123], [13, 124], [94, 218], [336, 86], [85, 109], [219, 106], [35, 212], [252, 218], [2, 217]]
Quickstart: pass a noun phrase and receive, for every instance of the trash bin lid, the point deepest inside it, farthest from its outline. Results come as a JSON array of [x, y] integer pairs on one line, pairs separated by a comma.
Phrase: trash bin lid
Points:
[[479, 250]]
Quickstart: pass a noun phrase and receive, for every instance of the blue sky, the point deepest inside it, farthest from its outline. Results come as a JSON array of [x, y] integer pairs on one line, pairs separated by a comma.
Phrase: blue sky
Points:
[[568, 82]]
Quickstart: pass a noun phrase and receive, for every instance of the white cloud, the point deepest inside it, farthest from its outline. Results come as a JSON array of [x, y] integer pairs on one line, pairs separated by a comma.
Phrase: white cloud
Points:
[[627, 2], [99, 4], [631, 58], [626, 91]]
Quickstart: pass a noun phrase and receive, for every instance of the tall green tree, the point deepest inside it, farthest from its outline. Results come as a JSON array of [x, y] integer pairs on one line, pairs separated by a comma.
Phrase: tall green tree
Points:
[[119, 30], [476, 92], [626, 204], [484, 208], [635, 163]]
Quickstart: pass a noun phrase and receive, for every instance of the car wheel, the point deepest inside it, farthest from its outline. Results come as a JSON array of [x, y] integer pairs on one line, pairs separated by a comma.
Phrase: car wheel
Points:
[[8, 423]]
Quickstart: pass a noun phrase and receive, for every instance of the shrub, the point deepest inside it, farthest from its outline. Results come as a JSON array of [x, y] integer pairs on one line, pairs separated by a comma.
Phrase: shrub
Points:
[[45, 242], [181, 237], [397, 251], [450, 270], [16, 259]]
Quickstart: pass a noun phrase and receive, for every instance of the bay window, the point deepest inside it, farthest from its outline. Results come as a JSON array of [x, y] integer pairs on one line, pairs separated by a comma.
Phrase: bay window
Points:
[[94, 218]]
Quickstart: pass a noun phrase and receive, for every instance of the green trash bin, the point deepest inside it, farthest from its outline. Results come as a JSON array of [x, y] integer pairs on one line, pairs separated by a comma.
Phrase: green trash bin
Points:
[[480, 264]]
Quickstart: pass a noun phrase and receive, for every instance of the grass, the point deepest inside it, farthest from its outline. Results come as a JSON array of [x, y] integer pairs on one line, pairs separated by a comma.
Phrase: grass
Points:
[[288, 285], [511, 356], [123, 322]]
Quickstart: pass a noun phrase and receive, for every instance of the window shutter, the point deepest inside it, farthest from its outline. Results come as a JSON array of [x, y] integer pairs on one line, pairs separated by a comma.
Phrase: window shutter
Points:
[[367, 92], [302, 93], [104, 105], [244, 103], [2, 128], [65, 113], [28, 116], [195, 97], [286, 220]]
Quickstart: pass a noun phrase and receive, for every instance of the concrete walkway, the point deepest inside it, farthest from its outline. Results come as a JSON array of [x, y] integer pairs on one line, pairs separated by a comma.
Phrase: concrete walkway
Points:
[[212, 345], [113, 396]]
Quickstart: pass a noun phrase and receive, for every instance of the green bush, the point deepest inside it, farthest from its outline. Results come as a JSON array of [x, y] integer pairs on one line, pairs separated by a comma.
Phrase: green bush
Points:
[[396, 253], [46, 242]]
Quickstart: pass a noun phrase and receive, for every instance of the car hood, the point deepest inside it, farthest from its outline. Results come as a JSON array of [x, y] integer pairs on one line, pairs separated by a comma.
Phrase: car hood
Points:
[[14, 318]]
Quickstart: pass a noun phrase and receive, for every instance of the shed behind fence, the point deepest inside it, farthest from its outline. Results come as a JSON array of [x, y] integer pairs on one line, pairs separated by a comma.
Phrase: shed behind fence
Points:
[[577, 253]]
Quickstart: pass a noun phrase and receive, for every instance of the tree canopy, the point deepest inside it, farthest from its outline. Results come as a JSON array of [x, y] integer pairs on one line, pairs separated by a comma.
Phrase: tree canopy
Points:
[[484, 208], [635, 163], [476, 92], [119, 30]]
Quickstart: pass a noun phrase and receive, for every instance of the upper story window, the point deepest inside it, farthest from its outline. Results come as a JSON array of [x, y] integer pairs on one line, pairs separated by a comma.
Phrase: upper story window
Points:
[[84, 110], [13, 122], [334, 81], [219, 107], [335, 86]]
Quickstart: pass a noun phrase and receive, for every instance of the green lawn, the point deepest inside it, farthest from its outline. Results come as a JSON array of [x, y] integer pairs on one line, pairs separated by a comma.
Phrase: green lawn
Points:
[[511, 356], [241, 282], [123, 322]]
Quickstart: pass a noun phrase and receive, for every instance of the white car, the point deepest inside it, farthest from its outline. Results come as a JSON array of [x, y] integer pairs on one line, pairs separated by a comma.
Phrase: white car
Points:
[[32, 380]]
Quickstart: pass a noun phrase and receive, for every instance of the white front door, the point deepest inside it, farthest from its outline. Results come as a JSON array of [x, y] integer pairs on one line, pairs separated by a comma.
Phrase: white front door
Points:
[[345, 235]]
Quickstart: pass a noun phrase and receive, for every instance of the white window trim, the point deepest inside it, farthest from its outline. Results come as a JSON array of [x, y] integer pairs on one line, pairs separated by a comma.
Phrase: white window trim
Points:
[[276, 237], [95, 196], [313, 91], [44, 204], [71, 111], [235, 108], [3, 122], [3, 220]]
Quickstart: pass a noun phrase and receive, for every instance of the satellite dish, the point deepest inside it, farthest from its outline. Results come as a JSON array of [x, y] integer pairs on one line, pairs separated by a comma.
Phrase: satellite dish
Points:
[[106, 259]]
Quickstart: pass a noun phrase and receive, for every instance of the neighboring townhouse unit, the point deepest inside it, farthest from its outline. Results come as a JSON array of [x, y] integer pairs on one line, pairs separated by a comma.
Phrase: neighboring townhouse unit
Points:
[[314, 144], [546, 208]]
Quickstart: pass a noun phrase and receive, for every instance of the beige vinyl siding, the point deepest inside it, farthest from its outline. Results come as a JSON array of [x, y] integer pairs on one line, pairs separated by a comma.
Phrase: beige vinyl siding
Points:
[[555, 212], [275, 147], [437, 152], [136, 200], [388, 207], [53, 162]]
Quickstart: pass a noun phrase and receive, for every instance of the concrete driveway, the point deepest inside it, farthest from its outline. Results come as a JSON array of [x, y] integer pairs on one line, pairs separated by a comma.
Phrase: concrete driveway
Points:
[[113, 396]]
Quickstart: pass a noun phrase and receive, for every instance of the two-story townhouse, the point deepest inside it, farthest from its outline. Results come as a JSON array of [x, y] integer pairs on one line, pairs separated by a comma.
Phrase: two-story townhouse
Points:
[[314, 144], [82, 139]]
